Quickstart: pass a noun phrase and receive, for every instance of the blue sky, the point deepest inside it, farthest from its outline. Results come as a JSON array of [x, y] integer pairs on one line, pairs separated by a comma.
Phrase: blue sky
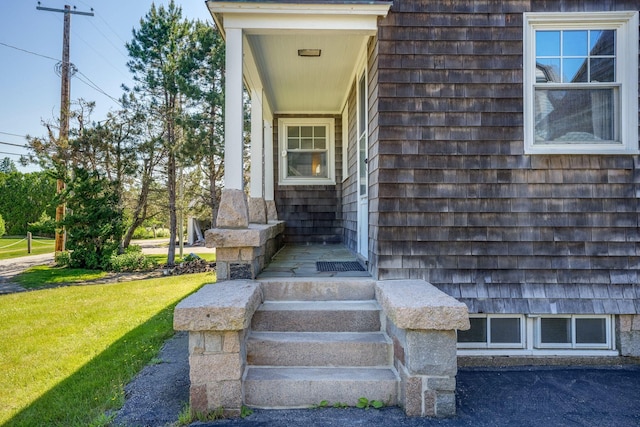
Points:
[[29, 86]]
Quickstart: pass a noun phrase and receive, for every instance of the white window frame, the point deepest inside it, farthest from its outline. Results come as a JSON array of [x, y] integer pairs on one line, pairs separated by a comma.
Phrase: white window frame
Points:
[[626, 26], [488, 343], [283, 123], [573, 344]]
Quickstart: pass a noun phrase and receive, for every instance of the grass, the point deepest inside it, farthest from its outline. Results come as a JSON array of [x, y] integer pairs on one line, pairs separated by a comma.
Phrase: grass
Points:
[[66, 353], [42, 275], [12, 247]]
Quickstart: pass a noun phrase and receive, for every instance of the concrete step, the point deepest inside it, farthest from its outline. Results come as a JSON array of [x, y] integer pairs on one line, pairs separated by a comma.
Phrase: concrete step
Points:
[[324, 289], [269, 387], [317, 316], [319, 349]]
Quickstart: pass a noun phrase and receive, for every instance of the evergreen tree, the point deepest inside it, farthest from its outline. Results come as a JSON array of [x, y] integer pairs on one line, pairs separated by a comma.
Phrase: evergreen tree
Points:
[[161, 61]]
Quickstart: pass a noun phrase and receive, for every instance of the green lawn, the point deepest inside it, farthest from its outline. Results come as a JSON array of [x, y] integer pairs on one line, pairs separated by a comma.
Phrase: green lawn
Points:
[[42, 276], [11, 247], [66, 353]]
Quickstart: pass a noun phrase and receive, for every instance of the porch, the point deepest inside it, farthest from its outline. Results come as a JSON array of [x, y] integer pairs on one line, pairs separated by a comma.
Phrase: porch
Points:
[[302, 261]]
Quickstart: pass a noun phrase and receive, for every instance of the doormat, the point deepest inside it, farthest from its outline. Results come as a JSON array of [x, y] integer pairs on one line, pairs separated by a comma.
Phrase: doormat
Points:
[[339, 266]]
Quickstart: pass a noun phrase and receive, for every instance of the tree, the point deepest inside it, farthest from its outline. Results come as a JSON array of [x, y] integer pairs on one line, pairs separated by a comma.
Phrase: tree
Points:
[[161, 61], [205, 124], [24, 197], [7, 166], [2, 229], [95, 221]]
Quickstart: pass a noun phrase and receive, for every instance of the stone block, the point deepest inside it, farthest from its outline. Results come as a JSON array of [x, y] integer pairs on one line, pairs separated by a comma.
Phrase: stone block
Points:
[[630, 343], [227, 254], [225, 394], [625, 322], [255, 235], [225, 306], [440, 383], [257, 210], [212, 342], [445, 404], [231, 342], [410, 393], [196, 342], [431, 353], [416, 304], [210, 368], [272, 212], [222, 271], [233, 211], [429, 403], [198, 398]]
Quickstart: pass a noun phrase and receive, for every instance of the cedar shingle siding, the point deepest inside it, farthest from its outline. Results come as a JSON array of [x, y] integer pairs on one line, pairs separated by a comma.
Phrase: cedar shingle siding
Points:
[[454, 199]]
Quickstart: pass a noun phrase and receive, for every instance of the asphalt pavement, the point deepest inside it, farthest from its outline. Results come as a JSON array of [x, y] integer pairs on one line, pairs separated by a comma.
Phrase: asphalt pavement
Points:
[[517, 396]]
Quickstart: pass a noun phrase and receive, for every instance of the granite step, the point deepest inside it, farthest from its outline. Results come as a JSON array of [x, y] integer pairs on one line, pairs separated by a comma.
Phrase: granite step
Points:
[[325, 289], [319, 348], [302, 387], [317, 316]]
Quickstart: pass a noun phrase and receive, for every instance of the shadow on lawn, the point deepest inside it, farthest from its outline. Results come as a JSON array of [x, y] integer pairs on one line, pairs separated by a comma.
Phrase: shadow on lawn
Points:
[[98, 387]]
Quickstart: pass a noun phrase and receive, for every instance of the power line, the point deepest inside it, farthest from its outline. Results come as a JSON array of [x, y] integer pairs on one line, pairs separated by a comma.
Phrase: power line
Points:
[[30, 52], [94, 86], [13, 134], [11, 154], [14, 145]]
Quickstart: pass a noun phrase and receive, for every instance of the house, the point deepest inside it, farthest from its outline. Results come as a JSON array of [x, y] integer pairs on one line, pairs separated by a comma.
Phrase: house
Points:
[[489, 148]]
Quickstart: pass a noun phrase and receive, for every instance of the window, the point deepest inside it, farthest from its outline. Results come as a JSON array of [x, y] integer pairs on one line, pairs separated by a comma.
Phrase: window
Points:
[[307, 151], [490, 331], [573, 332], [581, 82]]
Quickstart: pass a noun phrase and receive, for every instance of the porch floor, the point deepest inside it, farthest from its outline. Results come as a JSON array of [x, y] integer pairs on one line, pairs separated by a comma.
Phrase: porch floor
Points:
[[300, 261]]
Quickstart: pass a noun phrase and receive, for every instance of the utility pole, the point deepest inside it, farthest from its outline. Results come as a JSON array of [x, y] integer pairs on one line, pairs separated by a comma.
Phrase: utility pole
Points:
[[65, 93]]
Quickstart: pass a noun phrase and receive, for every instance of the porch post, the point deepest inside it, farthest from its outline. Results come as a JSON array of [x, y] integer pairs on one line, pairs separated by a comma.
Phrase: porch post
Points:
[[233, 211], [257, 207], [272, 213]]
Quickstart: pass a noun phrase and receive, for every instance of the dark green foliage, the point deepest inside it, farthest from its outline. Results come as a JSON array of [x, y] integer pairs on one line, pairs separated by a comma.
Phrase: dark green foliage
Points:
[[2, 229], [23, 199], [44, 227], [94, 221]]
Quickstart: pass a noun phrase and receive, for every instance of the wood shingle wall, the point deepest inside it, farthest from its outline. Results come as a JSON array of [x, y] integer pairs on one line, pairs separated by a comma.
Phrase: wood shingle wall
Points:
[[457, 200]]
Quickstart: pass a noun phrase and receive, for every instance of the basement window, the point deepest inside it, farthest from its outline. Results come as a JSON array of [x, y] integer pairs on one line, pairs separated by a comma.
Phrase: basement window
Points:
[[306, 151], [493, 331], [573, 332]]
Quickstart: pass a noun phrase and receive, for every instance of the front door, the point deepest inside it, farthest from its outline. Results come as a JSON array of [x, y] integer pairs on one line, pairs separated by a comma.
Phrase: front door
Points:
[[363, 171]]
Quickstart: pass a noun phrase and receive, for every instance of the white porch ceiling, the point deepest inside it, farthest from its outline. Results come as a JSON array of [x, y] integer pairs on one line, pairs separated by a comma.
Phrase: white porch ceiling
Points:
[[295, 84]]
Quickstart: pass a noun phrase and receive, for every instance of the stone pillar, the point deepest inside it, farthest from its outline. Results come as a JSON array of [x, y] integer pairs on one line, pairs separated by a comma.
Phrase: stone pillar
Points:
[[234, 211], [422, 322], [243, 253], [217, 318], [269, 167]]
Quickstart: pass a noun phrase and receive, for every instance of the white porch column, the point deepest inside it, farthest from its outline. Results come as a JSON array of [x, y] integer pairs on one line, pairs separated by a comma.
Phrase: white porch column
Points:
[[272, 213], [233, 212], [257, 207]]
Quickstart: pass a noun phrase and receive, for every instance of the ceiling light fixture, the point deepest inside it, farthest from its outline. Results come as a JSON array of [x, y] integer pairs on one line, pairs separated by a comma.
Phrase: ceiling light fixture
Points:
[[309, 52]]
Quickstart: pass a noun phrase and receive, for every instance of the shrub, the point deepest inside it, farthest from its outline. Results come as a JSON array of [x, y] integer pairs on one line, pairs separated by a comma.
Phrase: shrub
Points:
[[141, 233], [2, 229], [95, 222], [63, 259], [132, 260], [44, 227]]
